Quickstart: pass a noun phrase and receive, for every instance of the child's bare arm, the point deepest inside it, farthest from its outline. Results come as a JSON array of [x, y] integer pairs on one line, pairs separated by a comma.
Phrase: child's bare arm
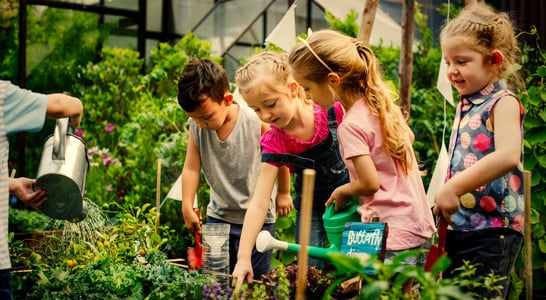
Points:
[[366, 184], [283, 202], [191, 174], [254, 220]]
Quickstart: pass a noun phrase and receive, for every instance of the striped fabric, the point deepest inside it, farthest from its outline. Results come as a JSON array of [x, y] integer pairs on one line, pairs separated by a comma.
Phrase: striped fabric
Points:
[[4, 185]]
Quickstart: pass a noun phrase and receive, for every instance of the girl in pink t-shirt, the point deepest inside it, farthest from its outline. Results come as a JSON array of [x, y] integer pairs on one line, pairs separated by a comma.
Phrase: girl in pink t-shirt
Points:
[[302, 135], [376, 142]]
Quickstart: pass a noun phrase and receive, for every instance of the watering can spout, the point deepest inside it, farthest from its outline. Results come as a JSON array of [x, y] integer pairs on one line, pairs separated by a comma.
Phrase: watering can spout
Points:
[[265, 242]]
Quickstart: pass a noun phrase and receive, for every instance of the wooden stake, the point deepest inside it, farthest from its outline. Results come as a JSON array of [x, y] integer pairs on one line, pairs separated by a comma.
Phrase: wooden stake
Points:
[[158, 194], [238, 285], [305, 230], [406, 57], [527, 235], [366, 23]]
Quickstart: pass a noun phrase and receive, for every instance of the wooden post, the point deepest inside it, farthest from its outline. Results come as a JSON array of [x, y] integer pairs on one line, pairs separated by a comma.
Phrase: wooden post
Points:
[[527, 242], [406, 57], [158, 195], [305, 230], [366, 23]]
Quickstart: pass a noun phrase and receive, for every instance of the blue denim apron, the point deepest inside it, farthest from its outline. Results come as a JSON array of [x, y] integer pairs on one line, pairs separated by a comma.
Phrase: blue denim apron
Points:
[[331, 172]]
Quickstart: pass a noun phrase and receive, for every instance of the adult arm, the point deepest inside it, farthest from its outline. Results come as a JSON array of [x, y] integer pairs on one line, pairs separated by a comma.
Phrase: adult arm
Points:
[[61, 105]]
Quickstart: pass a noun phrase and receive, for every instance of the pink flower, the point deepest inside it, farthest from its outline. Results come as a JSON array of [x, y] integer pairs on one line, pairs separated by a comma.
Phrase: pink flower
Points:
[[91, 152], [78, 132], [110, 127], [106, 161]]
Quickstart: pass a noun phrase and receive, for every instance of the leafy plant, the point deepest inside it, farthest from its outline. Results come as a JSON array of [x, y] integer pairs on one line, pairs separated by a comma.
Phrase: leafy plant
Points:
[[108, 279], [534, 101], [386, 280], [26, 220]]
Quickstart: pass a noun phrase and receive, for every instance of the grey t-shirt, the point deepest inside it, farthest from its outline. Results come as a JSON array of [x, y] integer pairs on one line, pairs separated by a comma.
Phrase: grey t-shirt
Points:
[[231, 167]]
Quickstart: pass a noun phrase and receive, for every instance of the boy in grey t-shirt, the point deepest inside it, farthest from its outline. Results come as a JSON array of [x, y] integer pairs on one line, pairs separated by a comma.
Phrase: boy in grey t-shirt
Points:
[[224, 143]]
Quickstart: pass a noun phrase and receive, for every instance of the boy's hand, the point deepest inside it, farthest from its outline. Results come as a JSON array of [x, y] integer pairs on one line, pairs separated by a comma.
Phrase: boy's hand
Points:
[[191, 220], [284, 204]]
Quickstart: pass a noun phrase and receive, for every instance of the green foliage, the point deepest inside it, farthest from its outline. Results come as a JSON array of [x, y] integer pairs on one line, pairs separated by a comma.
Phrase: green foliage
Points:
[[279, 283], [71, 28], [132, 119], [168, 62], [16, 250], [8, 38], [284, 231], [59, 43], [108, 91], [386, 280], [123, 261], [534, 101], [26, 220], [349, 26], [427, 104], [106, 279]]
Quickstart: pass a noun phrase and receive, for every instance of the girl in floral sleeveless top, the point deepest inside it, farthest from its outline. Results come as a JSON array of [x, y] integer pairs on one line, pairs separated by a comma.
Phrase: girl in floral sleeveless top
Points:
[[482, 198]]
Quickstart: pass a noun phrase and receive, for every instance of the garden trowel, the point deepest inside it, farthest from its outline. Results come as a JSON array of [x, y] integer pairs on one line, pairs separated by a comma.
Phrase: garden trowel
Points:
[[194, 253]]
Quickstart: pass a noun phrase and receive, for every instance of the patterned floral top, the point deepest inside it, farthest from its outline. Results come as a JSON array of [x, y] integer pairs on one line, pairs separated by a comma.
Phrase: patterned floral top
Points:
[[499, 203]]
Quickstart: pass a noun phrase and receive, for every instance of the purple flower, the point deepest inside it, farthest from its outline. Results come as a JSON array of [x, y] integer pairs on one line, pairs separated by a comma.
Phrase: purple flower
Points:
[[110, 127], [78, 132], [106, 161]]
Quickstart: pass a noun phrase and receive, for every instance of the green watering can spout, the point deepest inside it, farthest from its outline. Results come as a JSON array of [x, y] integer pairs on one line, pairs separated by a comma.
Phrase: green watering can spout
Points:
[[266, 242], [334, 223]]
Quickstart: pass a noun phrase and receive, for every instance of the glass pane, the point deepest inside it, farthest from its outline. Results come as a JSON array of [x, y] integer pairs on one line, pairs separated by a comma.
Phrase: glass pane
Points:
[[120, 4], [187, 13], [229, 20]]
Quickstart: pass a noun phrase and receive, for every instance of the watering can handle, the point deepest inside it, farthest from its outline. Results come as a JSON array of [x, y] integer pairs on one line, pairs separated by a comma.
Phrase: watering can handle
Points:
[[349, 204], [59, 137]]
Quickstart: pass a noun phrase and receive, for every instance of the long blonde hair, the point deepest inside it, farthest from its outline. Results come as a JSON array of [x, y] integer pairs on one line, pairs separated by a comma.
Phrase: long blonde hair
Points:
[[267, 70], [328, 51]]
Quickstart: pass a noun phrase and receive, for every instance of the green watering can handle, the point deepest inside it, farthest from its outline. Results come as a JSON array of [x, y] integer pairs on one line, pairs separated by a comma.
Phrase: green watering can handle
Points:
[[352, 205]]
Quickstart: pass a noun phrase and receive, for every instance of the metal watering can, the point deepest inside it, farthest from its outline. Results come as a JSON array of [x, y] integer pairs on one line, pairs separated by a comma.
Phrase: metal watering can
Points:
[[62, 172]]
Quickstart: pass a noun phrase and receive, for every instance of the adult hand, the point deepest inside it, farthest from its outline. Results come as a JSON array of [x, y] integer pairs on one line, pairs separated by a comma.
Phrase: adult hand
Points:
[[23, 189]]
